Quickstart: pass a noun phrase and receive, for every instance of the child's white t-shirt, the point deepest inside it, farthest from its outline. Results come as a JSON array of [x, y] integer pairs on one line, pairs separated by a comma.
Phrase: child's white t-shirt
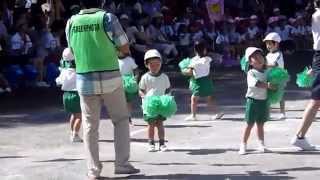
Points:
[[154, 85], [253, 76], [127, 65], [201, 66], [275, 58]]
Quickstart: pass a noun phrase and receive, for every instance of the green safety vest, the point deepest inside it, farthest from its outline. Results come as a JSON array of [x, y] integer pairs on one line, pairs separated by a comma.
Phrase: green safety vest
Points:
[[92, 48]]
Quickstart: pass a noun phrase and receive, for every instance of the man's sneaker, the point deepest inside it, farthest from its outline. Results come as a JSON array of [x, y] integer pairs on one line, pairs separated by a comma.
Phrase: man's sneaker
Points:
[[242, 149], [163, 148], [128, 169], [282, 117], [217, 116], [190, 118], [302, 143], [152, 148]]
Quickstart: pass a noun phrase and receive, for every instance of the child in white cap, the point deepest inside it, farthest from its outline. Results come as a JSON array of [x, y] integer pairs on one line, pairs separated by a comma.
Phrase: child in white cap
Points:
[[71, 99], [154, 83], [257, 108], [275, 59]]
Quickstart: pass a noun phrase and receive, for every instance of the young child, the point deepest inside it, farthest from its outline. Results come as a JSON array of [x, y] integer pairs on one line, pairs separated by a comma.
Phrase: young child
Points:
[[71, 99], [154, 83], [257, 108], [128, 67], [201, 84], [275, 59]]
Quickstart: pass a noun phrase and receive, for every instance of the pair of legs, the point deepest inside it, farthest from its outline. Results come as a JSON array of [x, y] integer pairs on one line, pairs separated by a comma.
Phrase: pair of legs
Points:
[[129, 105], [308, 117], [247, 131], [151, 129], [75, 122], [91, 107], [210, 103], [282, 107]]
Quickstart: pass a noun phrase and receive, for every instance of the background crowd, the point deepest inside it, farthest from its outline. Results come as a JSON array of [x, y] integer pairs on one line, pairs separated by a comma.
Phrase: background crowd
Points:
[[32, 32]]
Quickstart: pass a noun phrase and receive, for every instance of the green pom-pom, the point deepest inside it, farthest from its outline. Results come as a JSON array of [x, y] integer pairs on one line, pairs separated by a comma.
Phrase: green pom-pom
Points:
[[184, 64], [151, 106], [130, 84], [192, 84], [155, 106], [277, 77], [168, 106], [244, 64], [304, 80]]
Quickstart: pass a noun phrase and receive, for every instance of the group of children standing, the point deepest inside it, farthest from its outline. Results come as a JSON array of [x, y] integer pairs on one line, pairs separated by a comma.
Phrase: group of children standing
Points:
[[156, 83]]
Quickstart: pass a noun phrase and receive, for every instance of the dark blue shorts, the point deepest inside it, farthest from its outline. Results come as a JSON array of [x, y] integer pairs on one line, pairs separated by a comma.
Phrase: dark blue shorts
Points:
[[315, 92]]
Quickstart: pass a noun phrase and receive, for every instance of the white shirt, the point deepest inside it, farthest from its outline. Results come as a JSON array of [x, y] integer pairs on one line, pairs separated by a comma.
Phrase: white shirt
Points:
[[17, 43], [275, 58], [127, 65], [154, 85], [67, 79], [315, 27], [252, 32], [253, 77], [201, 66]]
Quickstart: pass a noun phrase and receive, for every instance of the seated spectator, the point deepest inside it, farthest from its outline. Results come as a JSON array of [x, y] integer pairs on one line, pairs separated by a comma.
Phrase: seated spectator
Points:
[[20, 46], [151, 7], [210, 35], [272, 25], [253, 32], [184, 41], [159, 40]]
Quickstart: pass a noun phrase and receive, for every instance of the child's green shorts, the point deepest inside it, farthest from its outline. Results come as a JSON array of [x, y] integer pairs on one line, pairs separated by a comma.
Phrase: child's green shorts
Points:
[[202, 87], [71, 102], [257, 111]]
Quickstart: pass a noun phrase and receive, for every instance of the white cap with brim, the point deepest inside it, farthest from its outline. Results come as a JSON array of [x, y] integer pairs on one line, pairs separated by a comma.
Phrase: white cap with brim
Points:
[[67, 54], [273, 36], [152, 53], [250, 51]]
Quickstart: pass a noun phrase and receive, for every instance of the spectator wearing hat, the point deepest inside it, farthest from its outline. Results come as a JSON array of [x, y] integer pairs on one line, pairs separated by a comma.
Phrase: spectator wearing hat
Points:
[[253, 32], [272, 25], [159, 40]]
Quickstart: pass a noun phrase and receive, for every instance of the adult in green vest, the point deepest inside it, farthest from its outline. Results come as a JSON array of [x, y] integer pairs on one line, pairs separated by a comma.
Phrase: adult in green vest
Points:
[[95, 37]]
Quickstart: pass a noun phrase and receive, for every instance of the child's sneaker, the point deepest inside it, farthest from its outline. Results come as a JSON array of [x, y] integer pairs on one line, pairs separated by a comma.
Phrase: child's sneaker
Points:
[[242, 149], [262, 148], [282, 117], [190, 118], [217, 116], [163, 148], [152, 148], [302, 143], [75, 138]]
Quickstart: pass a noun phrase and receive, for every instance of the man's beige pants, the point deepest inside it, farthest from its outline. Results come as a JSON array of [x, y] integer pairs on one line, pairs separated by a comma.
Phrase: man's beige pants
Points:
[[118, 112]]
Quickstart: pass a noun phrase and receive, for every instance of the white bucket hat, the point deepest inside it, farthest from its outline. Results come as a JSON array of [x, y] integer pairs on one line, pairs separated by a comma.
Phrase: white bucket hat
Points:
[[67, 54], [273, 36], [152, 53], [250, 51]]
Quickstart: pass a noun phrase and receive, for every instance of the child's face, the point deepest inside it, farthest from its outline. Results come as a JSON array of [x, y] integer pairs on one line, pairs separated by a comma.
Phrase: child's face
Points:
[[154, 65], [257, 60], [272, 46]]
